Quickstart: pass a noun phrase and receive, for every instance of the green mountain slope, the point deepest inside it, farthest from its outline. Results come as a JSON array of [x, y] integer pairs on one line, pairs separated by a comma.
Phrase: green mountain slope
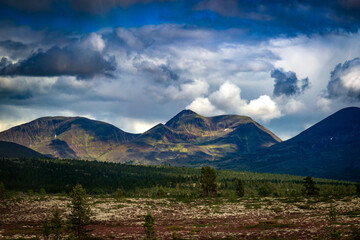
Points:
[[13, 150], [186, 139], [330, 149], [67, 137], [192, 139]]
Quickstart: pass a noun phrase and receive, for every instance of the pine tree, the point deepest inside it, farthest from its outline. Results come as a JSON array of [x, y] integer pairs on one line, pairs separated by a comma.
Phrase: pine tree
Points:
[[309, 187], [56, 224], [80, 212], [46, 229], [208, 181], [358, 190], [150, 233], [2, 189], [240, 188]]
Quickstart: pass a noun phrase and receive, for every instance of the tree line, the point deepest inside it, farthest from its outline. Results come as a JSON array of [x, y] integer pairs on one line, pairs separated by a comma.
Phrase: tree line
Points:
[[59, 176]]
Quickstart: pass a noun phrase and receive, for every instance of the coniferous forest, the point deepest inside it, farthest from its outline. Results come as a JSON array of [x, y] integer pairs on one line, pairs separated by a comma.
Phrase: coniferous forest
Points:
[[60, 176]]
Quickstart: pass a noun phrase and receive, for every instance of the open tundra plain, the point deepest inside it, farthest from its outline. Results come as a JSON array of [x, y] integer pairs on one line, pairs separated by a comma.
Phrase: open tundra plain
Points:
[[22, 216]]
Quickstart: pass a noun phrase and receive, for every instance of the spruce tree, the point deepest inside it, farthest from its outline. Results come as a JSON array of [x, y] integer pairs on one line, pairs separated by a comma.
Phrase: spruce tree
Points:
[[150, 233], [46, 229], [56, 224], [240, 188], [309, 188], [2, 189], [80, 212], [208, 181]]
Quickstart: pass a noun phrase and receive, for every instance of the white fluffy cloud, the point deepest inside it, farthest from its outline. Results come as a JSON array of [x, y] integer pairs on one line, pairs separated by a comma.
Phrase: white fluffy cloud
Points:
[[185, 91], [202, 105], [94, 41], [228, 100], [160, 69], [345, 80]]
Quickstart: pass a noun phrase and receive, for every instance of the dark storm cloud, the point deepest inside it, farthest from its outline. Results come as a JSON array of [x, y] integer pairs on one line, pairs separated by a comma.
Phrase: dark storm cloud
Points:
[[73, 61], [13, 46], [103, 6], [287, 83], [273, 17], [261, 18], [162, 73], [14, 49], [91, 6], [345, 81], [29, 5]]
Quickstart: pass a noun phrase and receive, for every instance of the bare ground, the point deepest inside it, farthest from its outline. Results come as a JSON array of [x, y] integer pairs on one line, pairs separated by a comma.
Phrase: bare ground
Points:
[[266, 218]]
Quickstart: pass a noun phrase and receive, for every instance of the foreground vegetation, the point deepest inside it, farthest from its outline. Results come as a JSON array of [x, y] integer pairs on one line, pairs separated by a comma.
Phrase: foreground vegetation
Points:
[[60, 176], [45, 199], [202, 218]]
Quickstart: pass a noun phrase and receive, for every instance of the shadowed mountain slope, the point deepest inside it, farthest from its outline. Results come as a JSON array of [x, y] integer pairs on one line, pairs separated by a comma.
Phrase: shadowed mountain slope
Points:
[[13, 150], [330, 149], [67, 137]]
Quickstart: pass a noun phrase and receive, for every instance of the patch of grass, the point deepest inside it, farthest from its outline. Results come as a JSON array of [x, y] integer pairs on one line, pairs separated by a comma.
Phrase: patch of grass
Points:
[[252, 206], [99, 201], [202, 225], [291, 200], [25, 231], [277, 209], [352, 214], [269, 224], [21, 238], [196, 230], [175, 228], [206, 211], [304, 206]]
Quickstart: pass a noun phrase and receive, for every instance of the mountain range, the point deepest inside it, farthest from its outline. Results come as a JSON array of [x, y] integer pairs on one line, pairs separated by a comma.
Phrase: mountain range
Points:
[[185, 139], [330, 148]]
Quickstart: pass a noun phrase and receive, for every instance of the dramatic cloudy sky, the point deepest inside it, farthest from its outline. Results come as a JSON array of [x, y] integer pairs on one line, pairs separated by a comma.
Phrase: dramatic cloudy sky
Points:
[[135, 63]]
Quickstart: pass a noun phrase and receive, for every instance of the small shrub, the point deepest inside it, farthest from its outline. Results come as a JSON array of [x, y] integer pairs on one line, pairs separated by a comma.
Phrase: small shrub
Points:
[[161, 193], [42, 192], [333, 233], [332, 214], [358, 190], [175, 236], [264, 191], [119, 193]]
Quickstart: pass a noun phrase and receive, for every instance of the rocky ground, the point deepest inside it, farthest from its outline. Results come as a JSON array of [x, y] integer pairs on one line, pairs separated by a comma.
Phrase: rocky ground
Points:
[[265, 218]]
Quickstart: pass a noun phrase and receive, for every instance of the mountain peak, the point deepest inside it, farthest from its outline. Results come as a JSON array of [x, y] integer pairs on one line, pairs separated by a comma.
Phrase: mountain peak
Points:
[[186, 112], [186, 118]]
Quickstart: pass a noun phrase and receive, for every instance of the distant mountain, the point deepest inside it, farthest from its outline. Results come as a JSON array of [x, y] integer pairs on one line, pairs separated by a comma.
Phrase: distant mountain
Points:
[[13, 150], [67, 137], [329, 149], [186, 139], [191, 139]]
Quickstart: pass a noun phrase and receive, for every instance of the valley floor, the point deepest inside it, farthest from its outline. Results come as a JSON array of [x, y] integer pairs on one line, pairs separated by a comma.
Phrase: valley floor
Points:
[[265, 218]]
